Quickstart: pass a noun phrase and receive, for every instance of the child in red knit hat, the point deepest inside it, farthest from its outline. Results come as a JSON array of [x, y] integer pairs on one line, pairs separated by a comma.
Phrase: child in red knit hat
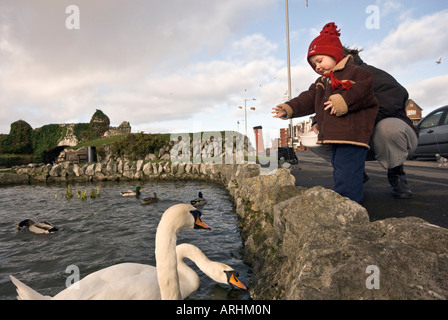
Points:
[[345, 107]]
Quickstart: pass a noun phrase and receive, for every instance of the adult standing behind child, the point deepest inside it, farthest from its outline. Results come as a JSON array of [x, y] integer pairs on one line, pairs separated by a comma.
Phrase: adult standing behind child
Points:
[[345, 107], [394, 137]]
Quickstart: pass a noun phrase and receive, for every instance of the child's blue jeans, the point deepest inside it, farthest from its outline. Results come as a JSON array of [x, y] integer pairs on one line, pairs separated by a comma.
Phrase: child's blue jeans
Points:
[[348, 170]]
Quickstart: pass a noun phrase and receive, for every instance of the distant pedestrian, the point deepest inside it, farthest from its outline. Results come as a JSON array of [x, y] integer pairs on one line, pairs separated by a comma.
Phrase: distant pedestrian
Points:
[[345, 107]]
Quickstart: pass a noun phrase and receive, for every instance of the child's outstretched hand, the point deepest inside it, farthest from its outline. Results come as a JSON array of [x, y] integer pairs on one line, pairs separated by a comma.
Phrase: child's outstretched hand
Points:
[[278, 112]]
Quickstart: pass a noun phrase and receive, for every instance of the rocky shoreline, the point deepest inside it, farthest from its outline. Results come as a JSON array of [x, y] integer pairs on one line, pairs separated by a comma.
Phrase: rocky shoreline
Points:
[[302, 243]]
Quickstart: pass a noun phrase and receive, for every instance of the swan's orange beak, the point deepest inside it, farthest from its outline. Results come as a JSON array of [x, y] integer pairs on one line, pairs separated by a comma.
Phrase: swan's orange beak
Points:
[[233, 280], [199, 224]]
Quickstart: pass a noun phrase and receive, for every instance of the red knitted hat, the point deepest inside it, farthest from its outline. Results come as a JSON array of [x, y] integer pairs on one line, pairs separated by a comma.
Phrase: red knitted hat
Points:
[[327, 43]]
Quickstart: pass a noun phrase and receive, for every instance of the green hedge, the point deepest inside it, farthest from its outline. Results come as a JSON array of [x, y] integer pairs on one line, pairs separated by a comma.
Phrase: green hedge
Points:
[[18, 141], [138, 145], [46, 138], [3, 138]]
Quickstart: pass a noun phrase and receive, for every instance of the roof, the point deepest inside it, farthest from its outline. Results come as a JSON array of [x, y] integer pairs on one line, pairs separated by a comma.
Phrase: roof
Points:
[[409, 101]]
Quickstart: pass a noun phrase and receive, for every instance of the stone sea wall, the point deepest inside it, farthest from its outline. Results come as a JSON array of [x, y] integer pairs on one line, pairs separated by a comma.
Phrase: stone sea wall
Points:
[[302, 243], [314, 244], [122, 170]]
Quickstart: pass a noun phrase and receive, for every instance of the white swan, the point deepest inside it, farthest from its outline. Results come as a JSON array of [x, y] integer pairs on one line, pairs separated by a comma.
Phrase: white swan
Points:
[[188, 278], [137, 281]]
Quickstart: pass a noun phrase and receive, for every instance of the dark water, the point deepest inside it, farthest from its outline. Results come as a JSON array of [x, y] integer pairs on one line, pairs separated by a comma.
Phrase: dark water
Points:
[[96, 233]]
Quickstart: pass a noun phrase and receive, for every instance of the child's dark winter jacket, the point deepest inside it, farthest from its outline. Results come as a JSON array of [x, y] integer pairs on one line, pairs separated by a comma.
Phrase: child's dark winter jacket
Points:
[[356, 108]]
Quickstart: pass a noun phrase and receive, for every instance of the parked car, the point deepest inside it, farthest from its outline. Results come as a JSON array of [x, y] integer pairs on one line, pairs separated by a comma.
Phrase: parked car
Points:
[[433, 134]]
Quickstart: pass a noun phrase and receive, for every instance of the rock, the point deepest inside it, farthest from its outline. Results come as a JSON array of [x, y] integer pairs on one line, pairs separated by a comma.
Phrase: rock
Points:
[[139, 165], [165, 157], [68, 171], [129, 174], [56, 171], [139, 175], [195, 169], [180, 169], [319, 245], [90, 170], [261, 192], [166, 167], [173, 168], [120, 166], [111, 167], [99, 176], [46, 168], [37, 178], [147, 168], [150, 157], [36, 170], [98, 167], [127, 166], [76, 170], [155, 168]]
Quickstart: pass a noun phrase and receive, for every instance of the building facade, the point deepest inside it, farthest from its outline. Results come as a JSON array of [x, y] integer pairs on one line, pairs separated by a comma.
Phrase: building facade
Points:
[[284, 137], [298, 129], [413, 111]]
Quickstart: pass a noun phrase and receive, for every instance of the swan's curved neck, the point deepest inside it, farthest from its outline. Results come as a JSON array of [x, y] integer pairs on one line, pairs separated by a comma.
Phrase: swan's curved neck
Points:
[[166, 262], [211, 268]]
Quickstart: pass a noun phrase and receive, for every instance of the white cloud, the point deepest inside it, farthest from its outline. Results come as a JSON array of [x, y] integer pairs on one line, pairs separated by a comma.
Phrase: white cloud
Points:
[[430, 93], [409, 53], [412, 41], [130, 58], [253, 47]]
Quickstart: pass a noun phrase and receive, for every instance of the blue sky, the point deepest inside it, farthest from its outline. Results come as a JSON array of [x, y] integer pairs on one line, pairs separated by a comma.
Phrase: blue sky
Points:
[[187, 65]]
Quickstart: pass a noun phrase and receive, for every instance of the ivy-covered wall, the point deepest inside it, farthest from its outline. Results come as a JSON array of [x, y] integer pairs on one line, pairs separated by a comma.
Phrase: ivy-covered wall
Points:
[[24, 145], [45, 139], [138, 145]]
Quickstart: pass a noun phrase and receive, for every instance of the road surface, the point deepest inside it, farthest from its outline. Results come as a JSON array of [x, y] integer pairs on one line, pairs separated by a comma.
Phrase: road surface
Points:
[[428, 182]]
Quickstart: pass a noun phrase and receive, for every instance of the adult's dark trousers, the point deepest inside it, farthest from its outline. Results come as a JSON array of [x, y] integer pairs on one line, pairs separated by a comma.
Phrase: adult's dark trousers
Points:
[[348, 170]]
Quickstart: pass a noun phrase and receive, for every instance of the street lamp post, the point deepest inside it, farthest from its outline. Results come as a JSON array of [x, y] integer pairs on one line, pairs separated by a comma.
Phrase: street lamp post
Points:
[[245, 111], [289, 66]]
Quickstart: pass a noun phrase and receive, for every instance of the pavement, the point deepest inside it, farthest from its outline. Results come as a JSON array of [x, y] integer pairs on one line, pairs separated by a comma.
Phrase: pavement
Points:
[[427, 180]]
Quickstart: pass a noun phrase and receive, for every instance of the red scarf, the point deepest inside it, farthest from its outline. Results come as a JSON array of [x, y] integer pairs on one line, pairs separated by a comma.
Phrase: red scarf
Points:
[[335, 82]]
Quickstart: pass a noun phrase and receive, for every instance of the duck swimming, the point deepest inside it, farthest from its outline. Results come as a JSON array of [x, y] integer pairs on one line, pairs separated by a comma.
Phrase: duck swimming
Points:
[[37, 227], [150, 200], [199, 201], [130, 193]]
